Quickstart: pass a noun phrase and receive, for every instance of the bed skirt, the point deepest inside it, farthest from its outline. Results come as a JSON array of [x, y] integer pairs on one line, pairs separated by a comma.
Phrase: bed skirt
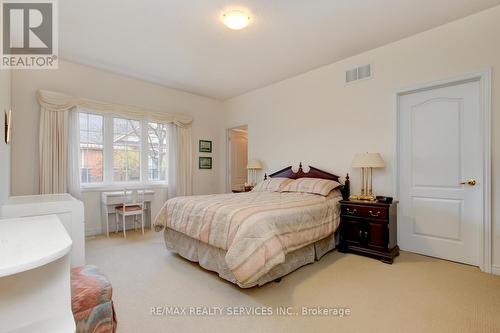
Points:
[[213, 258]]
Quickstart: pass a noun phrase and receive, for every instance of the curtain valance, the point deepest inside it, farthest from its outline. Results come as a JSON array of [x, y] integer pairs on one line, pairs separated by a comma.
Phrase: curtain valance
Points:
[[55, 102]]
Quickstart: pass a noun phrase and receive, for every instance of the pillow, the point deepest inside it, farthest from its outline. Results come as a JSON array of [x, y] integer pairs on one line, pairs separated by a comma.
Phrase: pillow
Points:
[[272, 184], [312, 185]]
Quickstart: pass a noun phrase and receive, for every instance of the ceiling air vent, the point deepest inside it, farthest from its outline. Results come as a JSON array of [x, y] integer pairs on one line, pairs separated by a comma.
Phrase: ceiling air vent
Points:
[[358, 73]]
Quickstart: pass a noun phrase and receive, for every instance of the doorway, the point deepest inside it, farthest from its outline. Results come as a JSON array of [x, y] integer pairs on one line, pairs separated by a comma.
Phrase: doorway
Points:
[[237, 143], [443, 176]]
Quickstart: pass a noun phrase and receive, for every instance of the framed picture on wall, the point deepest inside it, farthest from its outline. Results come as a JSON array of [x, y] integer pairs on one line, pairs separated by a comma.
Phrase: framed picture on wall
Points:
[[205, 163], [205, 146]]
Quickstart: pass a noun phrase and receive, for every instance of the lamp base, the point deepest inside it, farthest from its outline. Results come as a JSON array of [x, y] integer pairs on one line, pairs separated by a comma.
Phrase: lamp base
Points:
[[362, 197]]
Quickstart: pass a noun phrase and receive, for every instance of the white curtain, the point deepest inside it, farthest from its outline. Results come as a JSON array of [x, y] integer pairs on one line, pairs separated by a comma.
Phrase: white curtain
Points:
[[180, 165], [74, 156], [53, 150], [59, 164]]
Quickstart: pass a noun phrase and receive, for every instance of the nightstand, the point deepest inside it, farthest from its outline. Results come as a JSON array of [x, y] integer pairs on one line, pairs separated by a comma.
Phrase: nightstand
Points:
[[247, 189], [369, 228]]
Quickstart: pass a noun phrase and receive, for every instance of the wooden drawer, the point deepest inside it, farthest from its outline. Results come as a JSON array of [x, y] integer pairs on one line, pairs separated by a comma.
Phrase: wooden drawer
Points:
[[365, 211]]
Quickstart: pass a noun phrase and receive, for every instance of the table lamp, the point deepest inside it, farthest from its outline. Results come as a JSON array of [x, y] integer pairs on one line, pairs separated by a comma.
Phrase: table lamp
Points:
[[367, 161], [253, 166]]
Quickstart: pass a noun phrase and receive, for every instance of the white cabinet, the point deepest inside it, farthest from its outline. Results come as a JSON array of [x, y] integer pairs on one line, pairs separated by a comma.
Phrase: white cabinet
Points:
[[68, 209], [35, 292]]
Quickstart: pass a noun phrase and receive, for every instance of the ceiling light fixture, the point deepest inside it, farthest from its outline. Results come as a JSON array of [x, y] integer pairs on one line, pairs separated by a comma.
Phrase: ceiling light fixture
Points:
[[235, 20]]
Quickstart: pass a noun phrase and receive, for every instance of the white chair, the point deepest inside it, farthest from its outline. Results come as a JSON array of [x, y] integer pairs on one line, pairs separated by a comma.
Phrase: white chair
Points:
[[133, 205]]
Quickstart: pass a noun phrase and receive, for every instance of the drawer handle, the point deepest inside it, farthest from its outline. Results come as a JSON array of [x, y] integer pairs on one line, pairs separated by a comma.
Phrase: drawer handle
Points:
[[361, 233], [351, 211], [374, 215]]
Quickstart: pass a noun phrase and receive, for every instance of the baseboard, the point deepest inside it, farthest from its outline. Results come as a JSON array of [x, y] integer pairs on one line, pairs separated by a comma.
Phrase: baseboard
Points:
[[495, 270], [90, 232], [93, 232]]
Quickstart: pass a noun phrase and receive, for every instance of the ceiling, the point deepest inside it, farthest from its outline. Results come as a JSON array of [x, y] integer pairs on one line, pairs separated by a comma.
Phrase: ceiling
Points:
[[182, 44]]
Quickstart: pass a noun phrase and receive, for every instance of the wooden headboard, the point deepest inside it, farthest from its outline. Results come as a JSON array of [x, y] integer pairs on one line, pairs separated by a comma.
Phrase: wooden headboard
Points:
[[313, 173]]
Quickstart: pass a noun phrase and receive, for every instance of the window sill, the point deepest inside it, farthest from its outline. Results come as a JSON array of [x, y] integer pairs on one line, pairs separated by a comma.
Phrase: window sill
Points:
[[121, 187]]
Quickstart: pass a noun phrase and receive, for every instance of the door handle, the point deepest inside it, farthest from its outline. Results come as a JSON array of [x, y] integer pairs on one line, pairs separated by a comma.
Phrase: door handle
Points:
[[470, 182]]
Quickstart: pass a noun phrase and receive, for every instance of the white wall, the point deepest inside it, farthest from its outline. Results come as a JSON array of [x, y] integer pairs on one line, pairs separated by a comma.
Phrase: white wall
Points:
[[96, 84], [315, 118], [5, 77]]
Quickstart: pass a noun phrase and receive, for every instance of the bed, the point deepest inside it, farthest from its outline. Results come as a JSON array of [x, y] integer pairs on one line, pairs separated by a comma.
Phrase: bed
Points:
[[256, 237]]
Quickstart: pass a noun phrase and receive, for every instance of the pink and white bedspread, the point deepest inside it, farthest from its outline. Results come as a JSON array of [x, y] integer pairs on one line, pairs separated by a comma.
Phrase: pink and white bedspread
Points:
[[257, 229]]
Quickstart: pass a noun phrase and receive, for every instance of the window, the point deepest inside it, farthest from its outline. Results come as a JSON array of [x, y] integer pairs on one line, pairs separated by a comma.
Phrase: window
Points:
[[91, 148], [116, 150], [157, 152], [126, 150]]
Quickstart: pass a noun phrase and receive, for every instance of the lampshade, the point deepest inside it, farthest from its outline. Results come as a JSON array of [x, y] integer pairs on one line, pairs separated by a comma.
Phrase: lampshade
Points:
[[254, 165], [368, 160]]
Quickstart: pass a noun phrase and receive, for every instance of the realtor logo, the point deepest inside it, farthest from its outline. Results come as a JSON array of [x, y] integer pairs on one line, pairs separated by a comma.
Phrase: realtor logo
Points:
[[29, 34]]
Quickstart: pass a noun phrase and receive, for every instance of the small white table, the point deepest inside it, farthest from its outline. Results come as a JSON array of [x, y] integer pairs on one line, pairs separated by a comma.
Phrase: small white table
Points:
[[35, 276], [109, 201]]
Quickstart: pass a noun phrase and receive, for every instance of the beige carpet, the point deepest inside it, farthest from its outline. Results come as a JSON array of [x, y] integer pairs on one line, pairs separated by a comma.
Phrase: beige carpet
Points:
[[415, 294]]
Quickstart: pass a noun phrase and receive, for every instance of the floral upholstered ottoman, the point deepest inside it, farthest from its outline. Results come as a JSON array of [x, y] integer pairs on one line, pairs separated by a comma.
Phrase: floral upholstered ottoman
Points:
[[91, 301]]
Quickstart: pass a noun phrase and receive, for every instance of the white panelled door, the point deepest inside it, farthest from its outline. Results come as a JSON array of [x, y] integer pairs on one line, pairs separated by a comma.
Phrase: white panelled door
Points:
[[440, 170], [239, 159]]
